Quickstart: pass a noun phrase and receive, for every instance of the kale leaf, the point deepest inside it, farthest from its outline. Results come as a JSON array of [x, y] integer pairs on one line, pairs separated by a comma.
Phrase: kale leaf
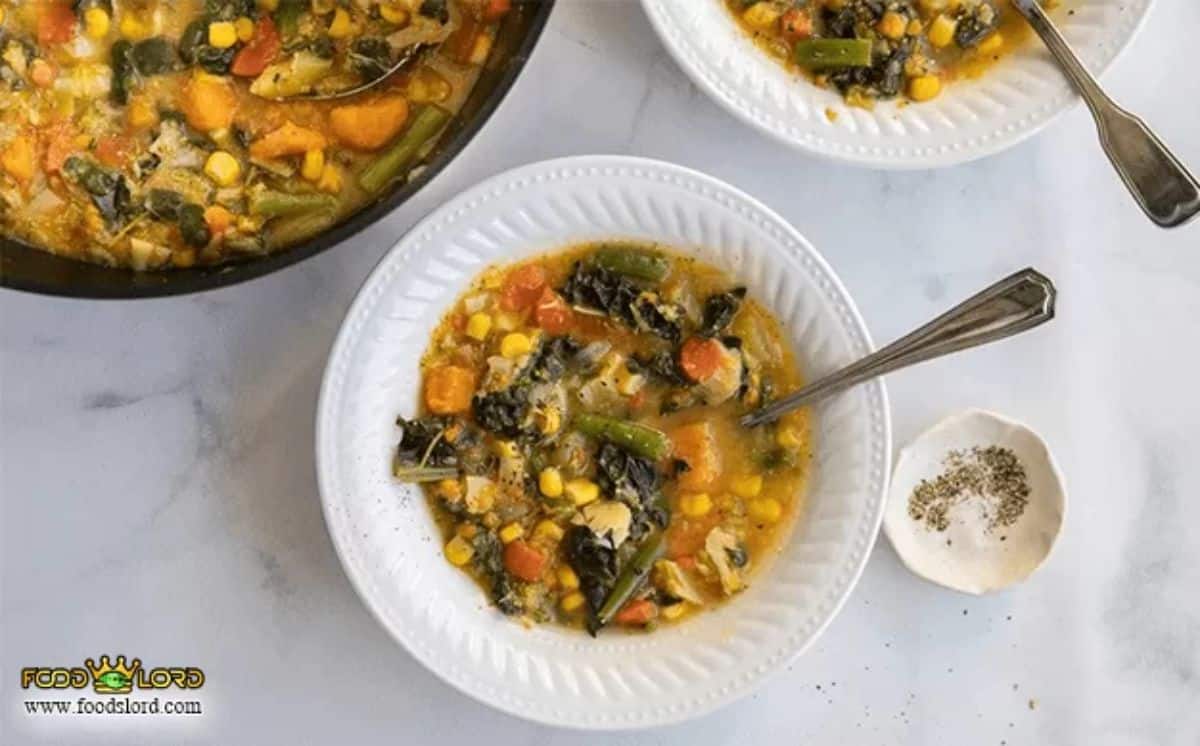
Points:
[[634, 481], [489, 561], [594, 560], [620, 298], [504, 412], [719, 310]]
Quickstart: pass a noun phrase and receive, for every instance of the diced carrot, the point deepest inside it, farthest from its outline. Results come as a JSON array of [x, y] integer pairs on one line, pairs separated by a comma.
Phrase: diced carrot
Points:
[[637, 612], [42, 73], [290, 139], [218, 219], [687, 562], [448, 389], [522, 287], [371, 125], [552, 312], [60, 144], [209, 103], [696, 446], [253, 58], [700, 358], [524, 561], [494, 10], [113, 150], [56, 22], [19, 160], [796, 24]]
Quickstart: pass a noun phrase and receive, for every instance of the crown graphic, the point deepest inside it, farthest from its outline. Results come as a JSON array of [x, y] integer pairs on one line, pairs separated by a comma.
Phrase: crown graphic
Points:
[[108, 678]]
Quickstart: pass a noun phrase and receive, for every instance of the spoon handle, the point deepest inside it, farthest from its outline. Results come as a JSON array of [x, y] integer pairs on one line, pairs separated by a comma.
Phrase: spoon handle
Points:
[[1164, 188], [1013, 305]]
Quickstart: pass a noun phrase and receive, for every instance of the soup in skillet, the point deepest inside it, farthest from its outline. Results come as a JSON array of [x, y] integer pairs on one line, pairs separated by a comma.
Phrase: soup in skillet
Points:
[[880, 49], [578, 437], [167, 133]]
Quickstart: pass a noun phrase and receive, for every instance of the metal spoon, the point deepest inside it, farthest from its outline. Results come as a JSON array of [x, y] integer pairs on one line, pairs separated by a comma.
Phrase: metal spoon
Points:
[[1013, 305], [1164, 188]]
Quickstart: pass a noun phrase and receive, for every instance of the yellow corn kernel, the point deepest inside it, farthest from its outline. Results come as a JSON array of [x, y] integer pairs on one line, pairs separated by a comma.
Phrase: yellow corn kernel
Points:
[[515, 345], [572, 602], [223, 168], [787, 437], [892, 25], [582, 491], [222, 34], [133, 28], [548, 530], [479, 325], [331, 179], [269, 5], [481, 49], [924, 88], [511, 533], [567, 578], [1, 15], [550, 482], [747, 486], [992, 44], [247, 224], [245, 28], [673, 611], [695, 504], [394, 13], [941, 31], [314, 165], [426, 87], [83, 141], [141, 114], [506, 322], [183, 259], [761, 16], [467, 530], [765, 510], [96, 22], [459, 551], [506, 449], [340, 27], [450, 489]]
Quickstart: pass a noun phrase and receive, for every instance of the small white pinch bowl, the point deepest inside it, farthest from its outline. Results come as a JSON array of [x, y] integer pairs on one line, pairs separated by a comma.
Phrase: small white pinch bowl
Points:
[[967, 556]]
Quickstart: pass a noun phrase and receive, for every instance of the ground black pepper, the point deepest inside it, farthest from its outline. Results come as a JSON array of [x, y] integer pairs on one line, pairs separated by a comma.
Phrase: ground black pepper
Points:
[[990, 475]]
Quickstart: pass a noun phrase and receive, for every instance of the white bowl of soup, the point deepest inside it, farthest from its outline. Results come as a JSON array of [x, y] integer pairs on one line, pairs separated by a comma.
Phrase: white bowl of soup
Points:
[[895, 84], [527, 434]]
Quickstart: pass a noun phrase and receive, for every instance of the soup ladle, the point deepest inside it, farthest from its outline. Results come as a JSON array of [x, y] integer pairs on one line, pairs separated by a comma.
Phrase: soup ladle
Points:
[[1016, 304], [1161, 184]]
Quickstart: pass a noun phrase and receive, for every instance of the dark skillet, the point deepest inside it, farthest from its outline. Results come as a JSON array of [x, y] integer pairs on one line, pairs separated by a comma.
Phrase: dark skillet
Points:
[[23, 267]]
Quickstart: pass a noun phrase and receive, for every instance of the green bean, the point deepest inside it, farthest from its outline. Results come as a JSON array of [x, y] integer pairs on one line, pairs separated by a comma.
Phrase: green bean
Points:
[[392, 164], [644, 265], [639, 439], [272, 204], [632, 576], [287, 17], [291, 228], [821, 53], [423, 473]]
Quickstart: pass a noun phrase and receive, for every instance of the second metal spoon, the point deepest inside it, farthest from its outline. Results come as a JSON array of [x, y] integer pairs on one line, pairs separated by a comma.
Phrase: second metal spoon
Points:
[[1015, 304], [1162, 186]]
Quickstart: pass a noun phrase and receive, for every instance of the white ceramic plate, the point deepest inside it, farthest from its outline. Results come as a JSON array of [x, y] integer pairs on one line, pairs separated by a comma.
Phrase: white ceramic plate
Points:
[[385, 534], [971, 118]]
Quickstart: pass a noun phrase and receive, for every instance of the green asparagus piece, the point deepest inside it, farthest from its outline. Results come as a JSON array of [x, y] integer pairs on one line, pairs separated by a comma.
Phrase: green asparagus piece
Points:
[[423, 473], [817, 54], [644, 265], [632, 576], [639, 439], [272, 204], [392, 164]]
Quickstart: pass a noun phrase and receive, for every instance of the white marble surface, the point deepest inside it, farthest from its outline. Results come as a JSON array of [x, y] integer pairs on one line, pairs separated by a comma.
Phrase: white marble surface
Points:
[[157, 479]]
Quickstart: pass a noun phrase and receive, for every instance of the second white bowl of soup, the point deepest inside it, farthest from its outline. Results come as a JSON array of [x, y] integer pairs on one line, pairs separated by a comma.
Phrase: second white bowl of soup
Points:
[[418, 306]]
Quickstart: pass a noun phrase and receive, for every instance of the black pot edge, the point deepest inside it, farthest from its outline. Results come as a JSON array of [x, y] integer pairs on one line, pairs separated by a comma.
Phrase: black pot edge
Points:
[[135, 285]]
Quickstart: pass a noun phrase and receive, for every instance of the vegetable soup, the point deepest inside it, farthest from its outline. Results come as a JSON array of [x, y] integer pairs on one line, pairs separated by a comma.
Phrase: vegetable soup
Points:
[[880, 49], [152, 134], [578, 436]]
